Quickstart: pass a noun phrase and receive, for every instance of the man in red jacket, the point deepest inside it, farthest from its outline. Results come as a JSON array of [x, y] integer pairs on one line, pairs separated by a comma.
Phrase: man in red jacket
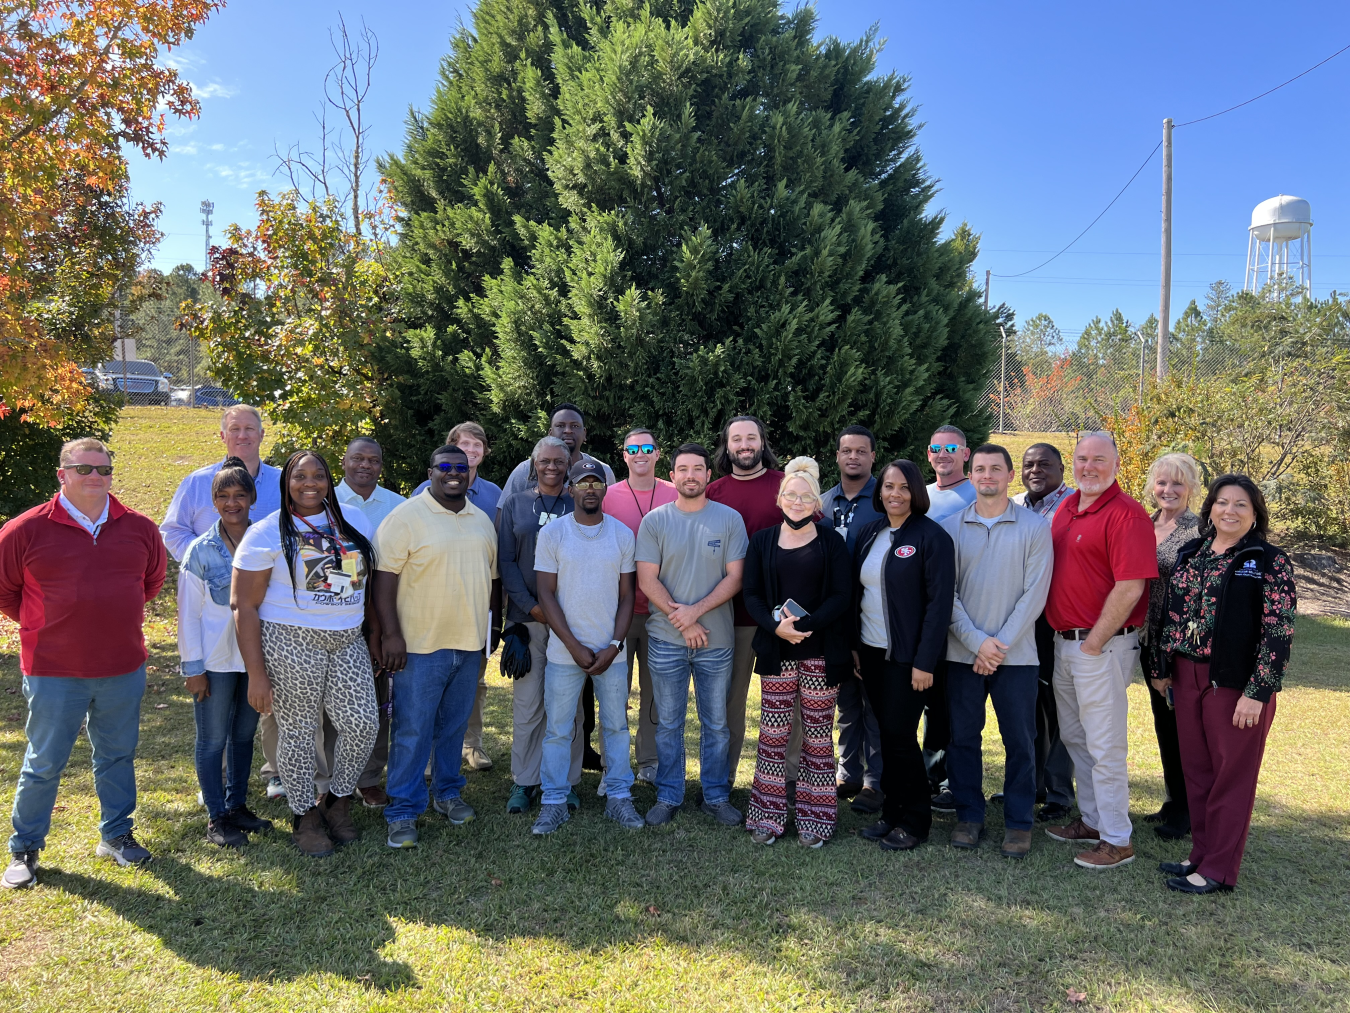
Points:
[[75, 574]]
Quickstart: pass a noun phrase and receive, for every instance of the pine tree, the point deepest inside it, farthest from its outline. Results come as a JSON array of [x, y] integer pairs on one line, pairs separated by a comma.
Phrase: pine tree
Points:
[[671, 213]]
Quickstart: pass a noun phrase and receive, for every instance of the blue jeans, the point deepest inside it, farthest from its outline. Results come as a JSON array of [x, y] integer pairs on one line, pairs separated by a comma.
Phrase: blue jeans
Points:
[[432, 699], [671, 666], [1013, 688], [57, 705], [225, 718], [562, 688]]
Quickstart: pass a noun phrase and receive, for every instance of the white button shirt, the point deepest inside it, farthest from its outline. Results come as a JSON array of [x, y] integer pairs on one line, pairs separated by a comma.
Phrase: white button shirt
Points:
[[381, 503]]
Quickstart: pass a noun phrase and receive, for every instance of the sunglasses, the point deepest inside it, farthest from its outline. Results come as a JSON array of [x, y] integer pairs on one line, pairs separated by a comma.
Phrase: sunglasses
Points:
[[633, 449], [84, 469], [588, 485], [457, 467], [937, 448]]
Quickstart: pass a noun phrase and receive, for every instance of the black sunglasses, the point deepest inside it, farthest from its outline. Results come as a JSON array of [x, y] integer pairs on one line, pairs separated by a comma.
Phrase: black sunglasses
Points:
[[84, 469], [640, 448], [448, 466]]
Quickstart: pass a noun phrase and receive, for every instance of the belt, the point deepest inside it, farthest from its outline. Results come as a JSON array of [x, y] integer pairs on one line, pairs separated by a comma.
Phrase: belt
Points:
[[1081, 634]]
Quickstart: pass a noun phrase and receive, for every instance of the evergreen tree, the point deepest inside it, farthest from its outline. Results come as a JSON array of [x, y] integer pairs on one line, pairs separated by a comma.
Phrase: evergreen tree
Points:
[[671, 213]]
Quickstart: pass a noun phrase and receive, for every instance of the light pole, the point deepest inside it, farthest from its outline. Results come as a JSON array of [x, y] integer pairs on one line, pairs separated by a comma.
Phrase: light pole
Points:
[[206, 208]]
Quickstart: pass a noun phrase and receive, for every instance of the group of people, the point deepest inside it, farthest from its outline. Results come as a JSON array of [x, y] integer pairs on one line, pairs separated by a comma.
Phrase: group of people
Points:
[[353, 627]]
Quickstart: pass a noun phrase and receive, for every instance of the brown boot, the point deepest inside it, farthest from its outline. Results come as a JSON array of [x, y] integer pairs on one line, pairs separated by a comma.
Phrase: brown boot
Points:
[[967, 835], [1016, 843], [308, 835], [337, 813]]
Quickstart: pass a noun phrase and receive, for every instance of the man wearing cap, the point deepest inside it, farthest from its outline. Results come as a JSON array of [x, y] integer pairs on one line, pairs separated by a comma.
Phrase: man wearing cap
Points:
[[1105, 556]]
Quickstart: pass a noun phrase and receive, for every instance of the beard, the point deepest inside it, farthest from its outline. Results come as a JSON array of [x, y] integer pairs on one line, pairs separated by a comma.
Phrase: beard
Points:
[[748, 460]]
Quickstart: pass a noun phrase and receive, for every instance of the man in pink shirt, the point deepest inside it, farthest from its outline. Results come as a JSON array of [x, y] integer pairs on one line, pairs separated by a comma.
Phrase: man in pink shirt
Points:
[[629, 501]]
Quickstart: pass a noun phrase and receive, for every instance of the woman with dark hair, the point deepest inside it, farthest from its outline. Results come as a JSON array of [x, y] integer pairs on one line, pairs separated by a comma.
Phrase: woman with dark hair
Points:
[[1226, 636], [212, 669], [904, 578], [299, 599]]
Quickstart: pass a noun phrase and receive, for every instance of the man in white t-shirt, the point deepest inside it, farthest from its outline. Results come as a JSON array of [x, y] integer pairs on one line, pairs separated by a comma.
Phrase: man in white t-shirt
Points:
[[584, 574]]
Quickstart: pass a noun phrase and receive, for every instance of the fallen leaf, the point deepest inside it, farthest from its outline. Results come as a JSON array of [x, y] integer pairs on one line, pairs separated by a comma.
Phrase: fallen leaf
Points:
[[152, 668], [652, 909], [12, 690], [495, 881], [13, 717], [1076, 996], [161, 706]]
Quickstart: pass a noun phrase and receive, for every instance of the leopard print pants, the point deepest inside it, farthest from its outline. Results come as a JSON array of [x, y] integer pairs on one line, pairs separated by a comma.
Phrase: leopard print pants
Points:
[[314, 671]]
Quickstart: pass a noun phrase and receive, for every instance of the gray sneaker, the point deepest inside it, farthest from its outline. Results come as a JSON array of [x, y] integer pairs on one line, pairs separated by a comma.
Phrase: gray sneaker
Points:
[[662, 812], [402, 834], [456, 810], [621, 811], [724, 813], [22, 871], [647, 774], [125, 850], [551, 817]]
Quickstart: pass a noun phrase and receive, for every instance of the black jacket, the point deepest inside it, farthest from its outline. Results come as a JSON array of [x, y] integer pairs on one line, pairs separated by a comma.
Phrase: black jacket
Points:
[[828, 624], [917, 589], [1240, 632]]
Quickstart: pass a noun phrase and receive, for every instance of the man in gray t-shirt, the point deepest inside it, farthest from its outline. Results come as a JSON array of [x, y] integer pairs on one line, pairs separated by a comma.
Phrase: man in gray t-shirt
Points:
[[690, 555]]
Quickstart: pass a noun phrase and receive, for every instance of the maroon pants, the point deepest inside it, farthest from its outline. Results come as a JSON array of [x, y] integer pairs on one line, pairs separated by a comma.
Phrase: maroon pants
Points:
[[1221, 764]]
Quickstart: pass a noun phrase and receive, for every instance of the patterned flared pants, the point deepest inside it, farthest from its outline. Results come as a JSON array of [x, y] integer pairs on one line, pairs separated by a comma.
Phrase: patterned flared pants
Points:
[[817, 802]]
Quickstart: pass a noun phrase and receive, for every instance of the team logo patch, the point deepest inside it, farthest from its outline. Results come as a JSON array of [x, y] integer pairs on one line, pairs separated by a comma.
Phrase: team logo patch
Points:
[[1248, 569], [905, 551]]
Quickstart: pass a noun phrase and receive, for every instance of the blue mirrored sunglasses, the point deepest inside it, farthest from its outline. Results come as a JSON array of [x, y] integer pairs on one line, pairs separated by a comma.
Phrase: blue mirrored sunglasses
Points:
[[937, 448], [458, 467], [640, 448]]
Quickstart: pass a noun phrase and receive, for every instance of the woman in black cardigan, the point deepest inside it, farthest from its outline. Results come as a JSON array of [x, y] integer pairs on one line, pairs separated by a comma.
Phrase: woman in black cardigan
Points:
[[904, 568], [801, 658]]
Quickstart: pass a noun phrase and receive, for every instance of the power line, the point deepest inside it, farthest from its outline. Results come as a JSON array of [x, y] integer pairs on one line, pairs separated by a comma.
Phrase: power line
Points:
[[1137, 171]]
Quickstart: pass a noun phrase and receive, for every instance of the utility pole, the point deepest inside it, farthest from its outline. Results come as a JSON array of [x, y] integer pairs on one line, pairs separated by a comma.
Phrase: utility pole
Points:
[[986, 291], [1165, 302], [206, 208], [1003, 382]]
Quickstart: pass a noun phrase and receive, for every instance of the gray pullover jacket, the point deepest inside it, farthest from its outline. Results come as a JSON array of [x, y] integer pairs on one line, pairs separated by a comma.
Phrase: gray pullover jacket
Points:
[[1002, 580]]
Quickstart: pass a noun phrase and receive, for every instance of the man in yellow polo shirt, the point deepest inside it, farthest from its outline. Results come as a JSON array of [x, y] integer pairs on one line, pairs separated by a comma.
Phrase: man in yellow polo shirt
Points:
[[435, 583]]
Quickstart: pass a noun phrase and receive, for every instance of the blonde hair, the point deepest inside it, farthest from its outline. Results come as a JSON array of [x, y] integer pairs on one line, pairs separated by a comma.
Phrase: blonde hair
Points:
[[241, 407], [86, 444], [469, 429], [1182, 466], [807, 470]]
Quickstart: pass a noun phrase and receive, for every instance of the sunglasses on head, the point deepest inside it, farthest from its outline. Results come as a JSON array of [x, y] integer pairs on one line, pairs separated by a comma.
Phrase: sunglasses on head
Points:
[[937, 448], [640, 448], [458, 467], [84, 469]]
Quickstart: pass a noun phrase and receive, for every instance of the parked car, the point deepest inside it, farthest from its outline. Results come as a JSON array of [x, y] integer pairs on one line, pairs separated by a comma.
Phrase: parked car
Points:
[[139, 379], [180, 396], [207, 396]]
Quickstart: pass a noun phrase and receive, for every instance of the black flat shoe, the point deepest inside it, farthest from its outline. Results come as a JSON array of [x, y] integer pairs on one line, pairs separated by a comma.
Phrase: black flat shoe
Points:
[[1176, 868], [1183, 885]]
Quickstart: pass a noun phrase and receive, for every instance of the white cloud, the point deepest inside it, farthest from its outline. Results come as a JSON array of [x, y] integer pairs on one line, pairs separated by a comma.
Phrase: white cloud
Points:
[[217, 147], [183, 149], [184, 61], [213, 90], [244, 175]]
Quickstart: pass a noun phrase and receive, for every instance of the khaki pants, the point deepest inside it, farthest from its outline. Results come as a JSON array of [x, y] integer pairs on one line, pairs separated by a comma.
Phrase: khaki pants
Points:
[[529, 720], [742, 671], [473, 735]]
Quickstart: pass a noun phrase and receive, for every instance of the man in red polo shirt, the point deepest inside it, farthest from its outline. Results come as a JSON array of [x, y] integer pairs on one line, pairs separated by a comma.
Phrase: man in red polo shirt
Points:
[[1104, 558], [750, 487], [75, 574]]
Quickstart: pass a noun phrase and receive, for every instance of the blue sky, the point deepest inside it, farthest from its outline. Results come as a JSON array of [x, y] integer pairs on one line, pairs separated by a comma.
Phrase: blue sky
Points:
[[1035, 115]]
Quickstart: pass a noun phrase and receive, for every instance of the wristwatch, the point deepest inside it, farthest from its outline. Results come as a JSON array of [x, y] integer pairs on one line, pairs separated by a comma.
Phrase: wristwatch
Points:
[[616, 644]]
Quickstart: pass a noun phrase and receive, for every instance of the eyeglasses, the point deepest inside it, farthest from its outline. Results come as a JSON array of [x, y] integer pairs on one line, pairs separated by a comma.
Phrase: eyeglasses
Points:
[[937, 448], [588, 485], [84, 469], [457, 467], [796, 497], [633, 449]]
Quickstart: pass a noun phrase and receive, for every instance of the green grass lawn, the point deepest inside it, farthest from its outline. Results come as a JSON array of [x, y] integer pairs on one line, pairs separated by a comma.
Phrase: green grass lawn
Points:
[[686, 917]]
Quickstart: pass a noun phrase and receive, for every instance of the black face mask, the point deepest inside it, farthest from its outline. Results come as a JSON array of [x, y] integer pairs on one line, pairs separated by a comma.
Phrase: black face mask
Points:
[[797, 525]]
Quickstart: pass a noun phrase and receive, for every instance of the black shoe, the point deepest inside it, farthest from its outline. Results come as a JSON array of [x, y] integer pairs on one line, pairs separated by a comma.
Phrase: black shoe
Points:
[[224, 834], [997, 797], [1183, 885], [1174, 829], [1053, 812], [1176, 868], [899, 839], [867, 802], [590, 759], [847, 789], [245, 819], [944, 802], [1157, 817], [876, 831]]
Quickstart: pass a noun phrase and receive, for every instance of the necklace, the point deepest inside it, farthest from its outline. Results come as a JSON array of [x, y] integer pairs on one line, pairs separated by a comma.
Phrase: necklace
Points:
[[230, 541], [754, 474], [650, 500], [582, 528]]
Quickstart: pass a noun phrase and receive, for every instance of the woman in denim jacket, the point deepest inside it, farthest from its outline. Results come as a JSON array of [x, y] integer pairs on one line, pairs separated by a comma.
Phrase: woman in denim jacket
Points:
[[211, 665]]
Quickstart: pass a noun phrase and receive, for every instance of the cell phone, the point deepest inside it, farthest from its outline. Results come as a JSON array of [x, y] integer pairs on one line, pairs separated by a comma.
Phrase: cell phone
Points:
[[790, 607], [1171, 704]]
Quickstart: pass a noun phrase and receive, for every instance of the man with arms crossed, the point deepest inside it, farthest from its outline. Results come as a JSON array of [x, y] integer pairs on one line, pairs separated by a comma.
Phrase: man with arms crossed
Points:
[[1105, 555], [436, 579], [630, 501], [584, 569], [75, 574], [690, 558], [749, 485], [1003, 563], [951, 493], [1043, 476]]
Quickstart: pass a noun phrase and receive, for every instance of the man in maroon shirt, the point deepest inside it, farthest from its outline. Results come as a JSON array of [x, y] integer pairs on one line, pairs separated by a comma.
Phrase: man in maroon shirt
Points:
[[1104, 558], [75, 574], [749, 485]]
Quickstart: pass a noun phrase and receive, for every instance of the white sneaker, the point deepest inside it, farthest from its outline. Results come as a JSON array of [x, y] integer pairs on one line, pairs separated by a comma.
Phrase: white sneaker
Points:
[[200, 800], [275, 789]]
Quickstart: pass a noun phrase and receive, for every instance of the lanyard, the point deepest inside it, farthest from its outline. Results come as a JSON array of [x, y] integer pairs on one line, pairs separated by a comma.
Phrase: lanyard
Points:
[[650, 500], [337, 545], [549, 512]]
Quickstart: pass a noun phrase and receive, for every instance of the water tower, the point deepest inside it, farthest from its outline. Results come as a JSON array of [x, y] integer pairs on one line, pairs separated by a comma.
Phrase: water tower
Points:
[[1279, 247]]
